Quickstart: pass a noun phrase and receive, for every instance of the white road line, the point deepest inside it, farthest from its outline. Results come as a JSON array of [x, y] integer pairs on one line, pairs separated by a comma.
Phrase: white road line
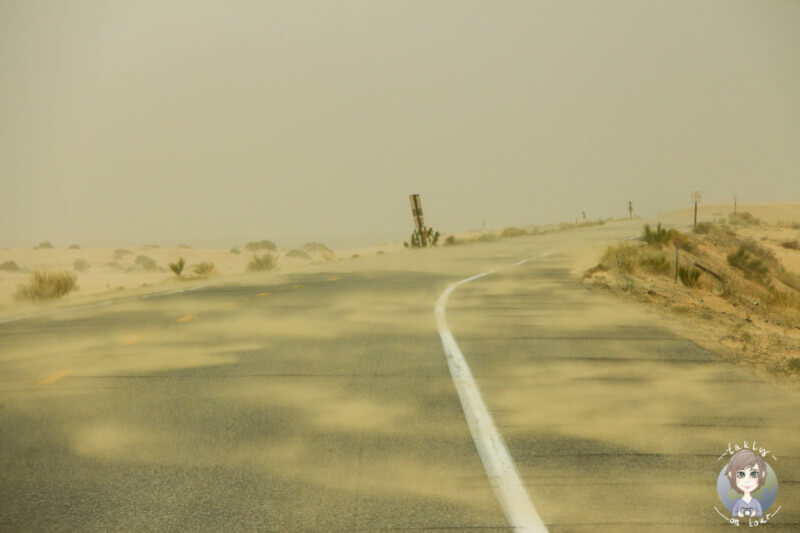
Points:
[[497, 461]]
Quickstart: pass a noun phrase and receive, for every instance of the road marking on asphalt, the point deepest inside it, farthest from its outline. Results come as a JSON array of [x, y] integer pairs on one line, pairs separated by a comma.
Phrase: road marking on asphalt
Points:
[[55, 377], [130, 340], [186, 318], [333, 279], [264, 293], [497, 461], [100, 304]]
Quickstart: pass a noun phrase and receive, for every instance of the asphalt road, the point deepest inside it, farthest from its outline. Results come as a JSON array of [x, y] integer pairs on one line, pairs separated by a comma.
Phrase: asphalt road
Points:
[[323, 402]]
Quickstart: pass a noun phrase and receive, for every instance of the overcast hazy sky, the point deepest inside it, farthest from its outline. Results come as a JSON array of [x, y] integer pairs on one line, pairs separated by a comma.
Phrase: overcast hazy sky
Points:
[[220, 121]]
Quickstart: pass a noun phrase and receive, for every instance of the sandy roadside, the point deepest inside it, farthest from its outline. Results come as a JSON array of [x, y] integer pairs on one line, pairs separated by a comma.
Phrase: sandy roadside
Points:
[[742, 326]]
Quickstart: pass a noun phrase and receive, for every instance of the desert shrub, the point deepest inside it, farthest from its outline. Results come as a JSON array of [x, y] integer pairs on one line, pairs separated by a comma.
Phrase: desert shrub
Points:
[[743, 219], [703, 227], [235, 250], [146, 263], [119, 253], [326, 253], [298, 254], [380, 252], [261, 245], [689, 276], [44, 285], [450, 241], [80, 265], [316, 247], [262, 262], [791, 245], [44, 245], [660, 236], [204, 269], [356, 256], [622, 257], [10, 266], [423, 240], [177, 267], [753, 268], [794, 364], [487, 237], [784, 299], [656, 263], [73, 247], [185, 246], [597, 268], [514, 232]]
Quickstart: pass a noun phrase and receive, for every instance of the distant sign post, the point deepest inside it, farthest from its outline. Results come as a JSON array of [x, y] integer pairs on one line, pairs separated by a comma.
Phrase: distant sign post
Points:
[[630, 210], [695, 200], [419, 220]]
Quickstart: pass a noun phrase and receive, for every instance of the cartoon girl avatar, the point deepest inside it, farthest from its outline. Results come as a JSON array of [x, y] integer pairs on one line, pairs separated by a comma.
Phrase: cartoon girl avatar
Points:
[[747, 473]]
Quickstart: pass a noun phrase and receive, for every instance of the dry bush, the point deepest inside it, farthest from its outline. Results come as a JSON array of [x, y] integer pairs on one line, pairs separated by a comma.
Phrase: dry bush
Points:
[[80, 265], [752, 267], [10, 266], [262, 263], [326, 253], [119, 253], [316, 247], [299, 254], [177, 267], [235, 250], [261, 245], [44, 285], [791, 245], [655, 262], [186, 246], [44, 245], [689, 276], [146, 263], [73, 247], [703, 228], [451, 241], [514, 232], [204, 269], [743, 219], [622, 257]]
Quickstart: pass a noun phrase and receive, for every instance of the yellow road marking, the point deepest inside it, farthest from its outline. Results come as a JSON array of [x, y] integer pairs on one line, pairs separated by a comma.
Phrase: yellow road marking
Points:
[[297, 286], [55, 377], [333, 279], [130, 340], [264, 293], [186, 318]]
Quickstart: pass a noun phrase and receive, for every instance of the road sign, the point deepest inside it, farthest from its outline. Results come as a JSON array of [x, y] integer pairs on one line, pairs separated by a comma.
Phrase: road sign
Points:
[[419, 220]]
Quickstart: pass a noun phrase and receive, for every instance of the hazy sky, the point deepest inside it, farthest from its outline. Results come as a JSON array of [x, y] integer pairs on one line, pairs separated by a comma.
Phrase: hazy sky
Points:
[[220, 122]]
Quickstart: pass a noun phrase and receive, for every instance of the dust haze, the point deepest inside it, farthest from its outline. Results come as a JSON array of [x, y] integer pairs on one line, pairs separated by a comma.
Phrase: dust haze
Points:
[[215, 123]]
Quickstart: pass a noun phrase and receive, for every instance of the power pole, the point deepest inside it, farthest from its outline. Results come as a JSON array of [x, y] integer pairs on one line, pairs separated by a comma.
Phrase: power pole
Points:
[[696, 199], [419, 220], [734, 204], [630, 210]]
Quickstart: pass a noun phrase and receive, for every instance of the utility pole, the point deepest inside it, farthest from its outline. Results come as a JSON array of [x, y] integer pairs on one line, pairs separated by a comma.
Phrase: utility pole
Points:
[[734, 204], [696, 199], [419, 220], [630, 210]]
